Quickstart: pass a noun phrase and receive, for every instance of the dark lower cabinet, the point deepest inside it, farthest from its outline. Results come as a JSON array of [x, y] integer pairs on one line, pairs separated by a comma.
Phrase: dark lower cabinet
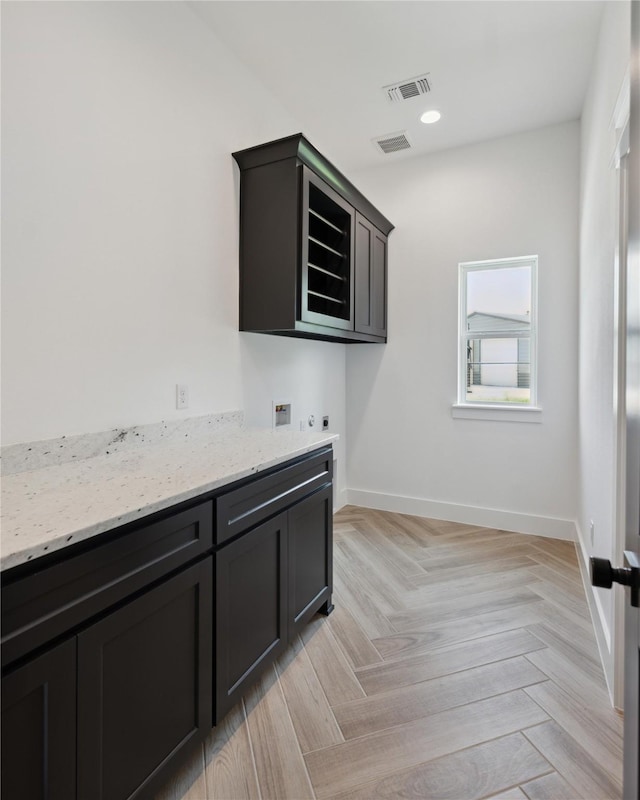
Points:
[[144, 686], [139, 678], [251, 621], [269, 583], [39, 727], [310, 567]]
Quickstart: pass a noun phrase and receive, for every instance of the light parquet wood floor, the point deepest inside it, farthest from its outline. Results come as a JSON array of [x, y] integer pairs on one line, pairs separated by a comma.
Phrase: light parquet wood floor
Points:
[[459, 663]]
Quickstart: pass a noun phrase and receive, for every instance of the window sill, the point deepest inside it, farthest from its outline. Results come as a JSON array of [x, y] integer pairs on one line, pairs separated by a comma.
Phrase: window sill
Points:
[[497, 413]]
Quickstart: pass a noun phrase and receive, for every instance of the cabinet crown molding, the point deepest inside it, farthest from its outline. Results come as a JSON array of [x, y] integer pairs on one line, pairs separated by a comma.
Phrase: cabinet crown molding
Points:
[[299, 147]]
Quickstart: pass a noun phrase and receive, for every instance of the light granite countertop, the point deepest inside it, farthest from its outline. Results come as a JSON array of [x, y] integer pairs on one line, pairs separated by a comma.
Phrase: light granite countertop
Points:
[[62, 491]]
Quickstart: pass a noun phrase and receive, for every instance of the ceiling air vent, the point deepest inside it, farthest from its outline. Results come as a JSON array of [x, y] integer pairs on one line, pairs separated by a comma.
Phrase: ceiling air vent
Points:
[[405, 90], [392, 142]]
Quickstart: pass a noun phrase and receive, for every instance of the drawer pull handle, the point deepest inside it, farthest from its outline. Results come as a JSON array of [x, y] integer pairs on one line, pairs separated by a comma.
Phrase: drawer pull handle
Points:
[[274, 499]]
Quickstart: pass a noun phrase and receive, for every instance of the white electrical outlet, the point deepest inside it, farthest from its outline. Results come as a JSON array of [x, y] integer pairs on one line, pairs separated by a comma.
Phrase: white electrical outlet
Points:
[[182, 395]]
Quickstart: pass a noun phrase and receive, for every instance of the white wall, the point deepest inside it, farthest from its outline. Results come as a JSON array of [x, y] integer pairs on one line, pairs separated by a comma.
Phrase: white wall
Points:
[[509, 197], [120, 226], [598, 238]]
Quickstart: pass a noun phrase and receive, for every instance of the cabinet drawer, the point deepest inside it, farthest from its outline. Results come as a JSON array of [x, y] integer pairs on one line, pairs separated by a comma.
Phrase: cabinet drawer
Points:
[[46, 603], [249, 504]]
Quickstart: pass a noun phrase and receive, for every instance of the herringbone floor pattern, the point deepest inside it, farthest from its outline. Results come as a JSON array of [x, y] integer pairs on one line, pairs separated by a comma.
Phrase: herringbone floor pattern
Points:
[[459, 663]]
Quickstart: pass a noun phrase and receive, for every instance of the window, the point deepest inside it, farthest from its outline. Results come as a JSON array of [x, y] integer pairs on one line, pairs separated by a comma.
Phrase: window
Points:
[[497, 356]]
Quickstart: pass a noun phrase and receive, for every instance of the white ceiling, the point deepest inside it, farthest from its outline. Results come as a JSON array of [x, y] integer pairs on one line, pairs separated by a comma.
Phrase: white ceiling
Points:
[[496, 67]]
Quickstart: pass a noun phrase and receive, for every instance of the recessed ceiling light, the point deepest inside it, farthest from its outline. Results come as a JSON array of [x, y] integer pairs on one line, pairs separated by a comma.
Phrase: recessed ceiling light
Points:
[[430, 116]]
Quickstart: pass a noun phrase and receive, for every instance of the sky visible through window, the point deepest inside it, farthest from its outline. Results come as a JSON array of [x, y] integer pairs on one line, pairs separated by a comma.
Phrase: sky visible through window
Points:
[[499, 291]]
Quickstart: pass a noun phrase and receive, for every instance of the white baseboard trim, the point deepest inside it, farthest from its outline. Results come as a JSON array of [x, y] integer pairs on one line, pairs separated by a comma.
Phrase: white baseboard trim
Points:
[[550, 527], [340, 500], [598, 618]]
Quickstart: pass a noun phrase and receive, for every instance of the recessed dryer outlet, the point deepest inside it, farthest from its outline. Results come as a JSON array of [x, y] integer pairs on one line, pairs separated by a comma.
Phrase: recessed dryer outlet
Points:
[[281, 415]]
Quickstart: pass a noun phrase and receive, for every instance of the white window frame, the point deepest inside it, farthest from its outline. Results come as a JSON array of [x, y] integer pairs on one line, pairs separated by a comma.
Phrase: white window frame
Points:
[[497, 410]]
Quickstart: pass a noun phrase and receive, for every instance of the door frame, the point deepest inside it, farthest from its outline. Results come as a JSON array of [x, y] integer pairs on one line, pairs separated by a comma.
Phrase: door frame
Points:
[[631, 776], [619, 162]]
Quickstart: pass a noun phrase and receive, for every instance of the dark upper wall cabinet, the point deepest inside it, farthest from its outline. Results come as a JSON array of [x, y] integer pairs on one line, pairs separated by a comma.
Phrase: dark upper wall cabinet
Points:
[[313, 250], [370, 278]]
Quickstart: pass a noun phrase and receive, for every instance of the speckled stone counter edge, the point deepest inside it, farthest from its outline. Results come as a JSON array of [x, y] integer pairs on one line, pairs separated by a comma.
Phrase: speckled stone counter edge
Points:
[[47, 509]]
